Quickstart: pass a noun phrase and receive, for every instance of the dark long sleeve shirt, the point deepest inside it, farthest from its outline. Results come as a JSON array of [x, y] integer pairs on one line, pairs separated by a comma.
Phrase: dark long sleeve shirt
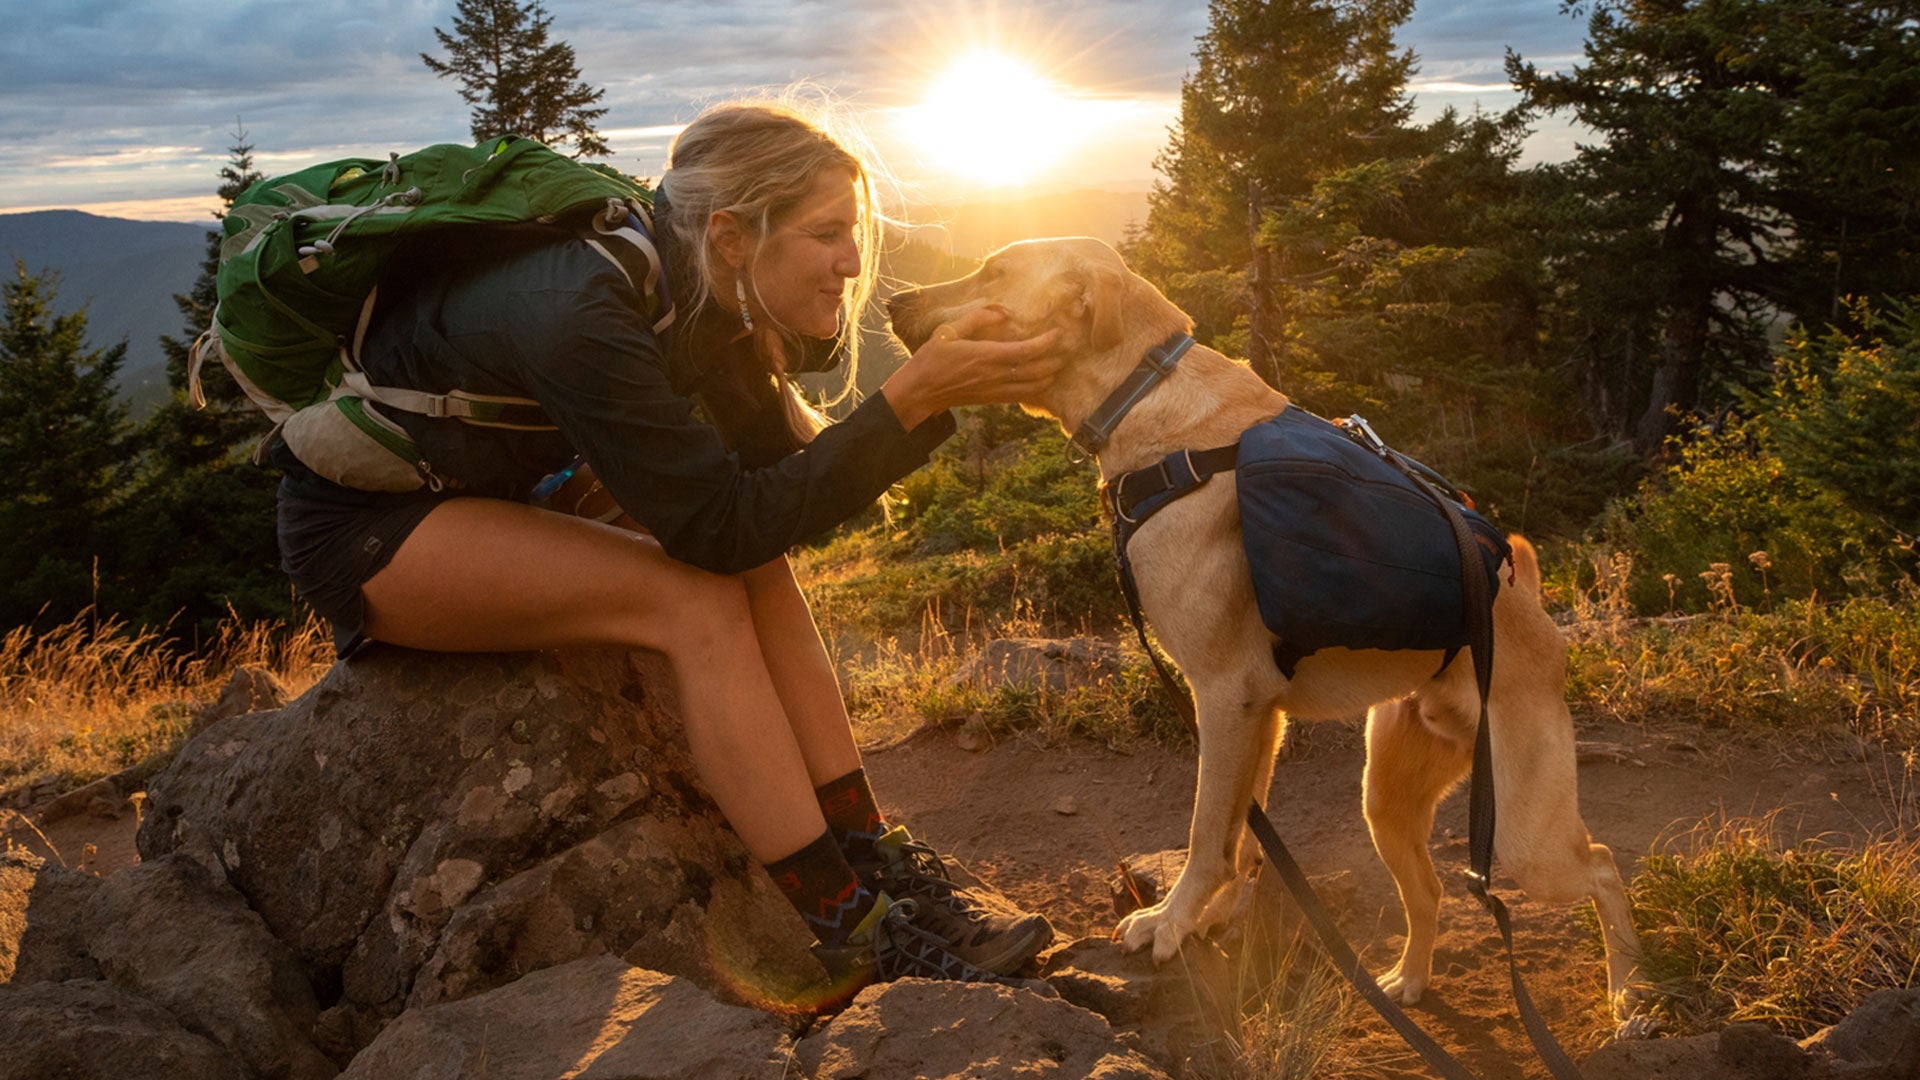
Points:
[[557, 323]]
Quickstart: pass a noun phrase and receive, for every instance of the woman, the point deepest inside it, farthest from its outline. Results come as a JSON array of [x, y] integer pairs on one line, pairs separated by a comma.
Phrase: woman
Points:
[[766, 226]]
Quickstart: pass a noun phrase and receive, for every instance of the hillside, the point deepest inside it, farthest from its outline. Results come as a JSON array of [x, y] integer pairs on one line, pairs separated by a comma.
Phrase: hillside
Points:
[[125, 273]]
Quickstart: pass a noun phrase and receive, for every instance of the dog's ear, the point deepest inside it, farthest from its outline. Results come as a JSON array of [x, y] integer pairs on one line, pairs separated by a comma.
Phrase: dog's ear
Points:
[[1101, 297]]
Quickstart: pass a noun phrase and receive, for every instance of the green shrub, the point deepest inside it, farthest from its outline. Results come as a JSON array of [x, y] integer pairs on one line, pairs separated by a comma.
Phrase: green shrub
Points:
[[1000, 520], [1821, 475], [1727, 498]]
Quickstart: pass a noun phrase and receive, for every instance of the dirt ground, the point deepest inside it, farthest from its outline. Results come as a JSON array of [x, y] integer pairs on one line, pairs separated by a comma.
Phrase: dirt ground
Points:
[[1048, 824]]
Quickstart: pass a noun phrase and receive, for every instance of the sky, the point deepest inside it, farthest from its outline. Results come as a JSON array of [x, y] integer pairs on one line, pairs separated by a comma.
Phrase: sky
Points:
[[126, 107]]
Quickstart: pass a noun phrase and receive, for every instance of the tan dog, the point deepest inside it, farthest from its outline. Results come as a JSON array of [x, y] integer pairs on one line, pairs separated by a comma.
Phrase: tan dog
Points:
[[1197, 591]]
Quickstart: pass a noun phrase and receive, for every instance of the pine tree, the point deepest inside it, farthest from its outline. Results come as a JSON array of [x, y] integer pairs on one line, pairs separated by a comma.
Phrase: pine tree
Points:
[[197, 523], [518, 82], [179, 433], [1758, 157], [63, 445], [1283, 92]]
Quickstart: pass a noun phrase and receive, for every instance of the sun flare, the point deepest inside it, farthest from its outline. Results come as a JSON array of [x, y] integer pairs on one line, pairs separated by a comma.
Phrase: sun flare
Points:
[[991, 119]]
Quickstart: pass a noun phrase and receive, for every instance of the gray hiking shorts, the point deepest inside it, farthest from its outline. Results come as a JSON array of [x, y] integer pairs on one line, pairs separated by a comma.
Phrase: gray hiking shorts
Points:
[[330, 549]]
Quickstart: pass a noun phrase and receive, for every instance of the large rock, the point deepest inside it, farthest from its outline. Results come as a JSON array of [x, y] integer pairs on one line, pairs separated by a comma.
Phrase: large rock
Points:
[[1179, 1012], [940, 1030], [1051, 664], [479, 817], [40, 908], [172, 932], [90, 1030], [1883, 1033], [597, 1019]]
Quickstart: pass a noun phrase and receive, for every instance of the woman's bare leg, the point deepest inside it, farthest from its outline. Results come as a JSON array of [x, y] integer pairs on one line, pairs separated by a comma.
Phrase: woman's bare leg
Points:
[[486, 575], [802, 674]]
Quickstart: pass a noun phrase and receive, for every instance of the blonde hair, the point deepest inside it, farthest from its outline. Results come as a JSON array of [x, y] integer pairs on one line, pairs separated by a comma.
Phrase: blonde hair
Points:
[[757, 160]]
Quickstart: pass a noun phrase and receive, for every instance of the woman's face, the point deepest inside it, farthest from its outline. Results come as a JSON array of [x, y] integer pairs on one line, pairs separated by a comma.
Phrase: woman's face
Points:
[[801, 272]]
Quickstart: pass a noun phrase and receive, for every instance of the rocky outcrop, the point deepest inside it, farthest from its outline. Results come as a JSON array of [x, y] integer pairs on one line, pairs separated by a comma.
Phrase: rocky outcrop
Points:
[[981, 1032], [91, 1030], [173, 932], [598, 1017], [40, 909], [419, 828]]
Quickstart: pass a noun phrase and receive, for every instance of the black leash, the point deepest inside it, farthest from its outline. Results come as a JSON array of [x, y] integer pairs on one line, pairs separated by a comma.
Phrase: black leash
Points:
[[1134, 497]]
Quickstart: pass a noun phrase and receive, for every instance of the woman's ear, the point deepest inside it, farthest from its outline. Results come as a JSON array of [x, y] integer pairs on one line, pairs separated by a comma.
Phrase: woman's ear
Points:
[[728, 238]]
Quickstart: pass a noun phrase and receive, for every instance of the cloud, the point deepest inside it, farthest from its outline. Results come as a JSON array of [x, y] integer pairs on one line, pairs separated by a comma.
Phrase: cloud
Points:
[[138, 99]]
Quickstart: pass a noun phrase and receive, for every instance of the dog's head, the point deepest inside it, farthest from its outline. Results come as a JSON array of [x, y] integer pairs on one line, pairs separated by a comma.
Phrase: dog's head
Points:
[[1076, 285]]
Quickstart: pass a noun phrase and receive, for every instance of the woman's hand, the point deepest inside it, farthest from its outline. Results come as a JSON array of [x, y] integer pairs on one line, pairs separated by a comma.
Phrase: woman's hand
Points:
[[954, 368]]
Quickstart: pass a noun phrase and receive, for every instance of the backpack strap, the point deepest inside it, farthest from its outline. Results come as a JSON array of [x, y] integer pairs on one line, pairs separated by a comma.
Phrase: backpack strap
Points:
[[480, 410], [628, 228]]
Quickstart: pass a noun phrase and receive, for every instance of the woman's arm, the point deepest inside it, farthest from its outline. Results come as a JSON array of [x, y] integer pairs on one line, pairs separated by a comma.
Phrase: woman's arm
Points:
[[600, 375]]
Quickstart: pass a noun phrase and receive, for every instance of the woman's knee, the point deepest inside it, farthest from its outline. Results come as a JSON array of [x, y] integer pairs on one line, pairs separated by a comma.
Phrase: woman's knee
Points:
[[694, 612]]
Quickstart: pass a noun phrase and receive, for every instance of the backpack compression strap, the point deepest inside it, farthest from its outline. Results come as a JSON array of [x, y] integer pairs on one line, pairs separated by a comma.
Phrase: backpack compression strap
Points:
[[626, 231]]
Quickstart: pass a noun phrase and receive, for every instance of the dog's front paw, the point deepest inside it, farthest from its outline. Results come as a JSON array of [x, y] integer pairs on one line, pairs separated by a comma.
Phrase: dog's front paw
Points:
[[1630, 1008], [1403, 987], [1638, 1026], [1149, 925]]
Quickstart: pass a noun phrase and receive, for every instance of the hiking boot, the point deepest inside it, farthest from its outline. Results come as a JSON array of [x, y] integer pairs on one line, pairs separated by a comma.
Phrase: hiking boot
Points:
[[983, 933], [887, 945]]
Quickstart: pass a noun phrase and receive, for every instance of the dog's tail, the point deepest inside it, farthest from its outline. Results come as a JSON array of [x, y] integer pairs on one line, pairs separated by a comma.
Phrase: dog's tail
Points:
[[1526, 564]]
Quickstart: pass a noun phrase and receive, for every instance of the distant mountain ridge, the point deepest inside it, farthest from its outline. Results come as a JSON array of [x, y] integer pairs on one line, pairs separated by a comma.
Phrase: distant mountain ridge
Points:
[[124, 272]]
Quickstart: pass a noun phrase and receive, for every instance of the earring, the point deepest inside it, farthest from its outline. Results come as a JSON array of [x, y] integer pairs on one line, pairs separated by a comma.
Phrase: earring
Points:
[[740, 291]]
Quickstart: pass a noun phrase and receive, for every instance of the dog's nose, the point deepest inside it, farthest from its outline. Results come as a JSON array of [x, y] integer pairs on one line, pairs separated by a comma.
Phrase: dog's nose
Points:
[[901, 301]]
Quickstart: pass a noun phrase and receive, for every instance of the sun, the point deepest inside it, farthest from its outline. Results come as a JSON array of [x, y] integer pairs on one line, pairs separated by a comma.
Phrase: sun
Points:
[[990, 119]]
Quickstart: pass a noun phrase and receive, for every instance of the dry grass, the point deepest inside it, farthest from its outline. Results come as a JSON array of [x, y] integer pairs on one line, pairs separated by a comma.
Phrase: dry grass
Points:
[[1740, 927], [1295, 1021], [1804, 665], [94, 696], [891, 687]]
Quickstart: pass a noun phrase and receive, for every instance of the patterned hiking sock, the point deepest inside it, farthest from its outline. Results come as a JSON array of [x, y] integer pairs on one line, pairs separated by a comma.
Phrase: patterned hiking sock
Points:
[[853, 817], [825, 891]]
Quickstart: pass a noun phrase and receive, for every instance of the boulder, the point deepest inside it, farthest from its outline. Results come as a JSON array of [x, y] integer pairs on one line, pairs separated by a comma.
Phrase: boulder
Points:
[[173, 932], [1179, 1011], [40, 908], [92, 1030], [1057, 665], [937, 1030], [248, 689], [1884, 1032], [421, 827], [598, 1018]]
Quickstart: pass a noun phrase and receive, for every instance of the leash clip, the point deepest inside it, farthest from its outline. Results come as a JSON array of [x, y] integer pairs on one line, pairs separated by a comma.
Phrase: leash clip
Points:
[[1356, 426]]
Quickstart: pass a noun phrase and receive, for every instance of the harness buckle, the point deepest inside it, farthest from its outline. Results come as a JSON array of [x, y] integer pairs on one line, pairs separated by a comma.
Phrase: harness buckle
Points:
[[1357, 427]]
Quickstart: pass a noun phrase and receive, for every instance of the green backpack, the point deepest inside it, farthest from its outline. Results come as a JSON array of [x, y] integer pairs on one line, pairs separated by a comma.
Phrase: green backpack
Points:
[[299, 269]]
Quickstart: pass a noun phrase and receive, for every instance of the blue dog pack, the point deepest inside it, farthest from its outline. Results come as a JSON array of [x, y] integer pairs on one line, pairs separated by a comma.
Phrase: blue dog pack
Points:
[[1346, 547]]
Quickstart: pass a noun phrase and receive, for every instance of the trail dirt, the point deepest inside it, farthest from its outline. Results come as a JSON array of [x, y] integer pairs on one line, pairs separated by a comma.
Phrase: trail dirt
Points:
[[1048, 824]]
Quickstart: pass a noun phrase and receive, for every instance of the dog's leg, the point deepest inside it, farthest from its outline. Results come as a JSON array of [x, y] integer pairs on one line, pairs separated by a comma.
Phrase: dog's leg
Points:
[[1543, 843], [1232, 735], [1540, 838], [1412, 761], [1229, 903]]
